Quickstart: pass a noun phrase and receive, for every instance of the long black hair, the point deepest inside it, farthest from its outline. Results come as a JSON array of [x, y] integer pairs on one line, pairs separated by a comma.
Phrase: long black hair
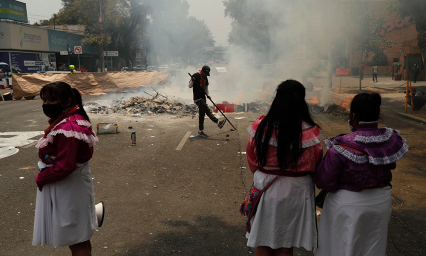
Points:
[[366, 106], [286, 114], [61, 92]]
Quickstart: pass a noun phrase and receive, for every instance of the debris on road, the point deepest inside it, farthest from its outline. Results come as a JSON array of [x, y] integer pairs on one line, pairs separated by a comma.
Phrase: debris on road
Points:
[[103, 128]]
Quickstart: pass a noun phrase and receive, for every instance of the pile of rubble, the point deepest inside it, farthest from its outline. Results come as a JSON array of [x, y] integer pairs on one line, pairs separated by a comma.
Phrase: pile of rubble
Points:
[[334, 109], [142, 105]]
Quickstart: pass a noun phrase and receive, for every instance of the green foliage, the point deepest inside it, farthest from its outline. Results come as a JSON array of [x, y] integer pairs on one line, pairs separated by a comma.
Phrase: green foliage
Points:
[[97, 42], [380, 59], [252, 24], [161, 27], [365, 31]]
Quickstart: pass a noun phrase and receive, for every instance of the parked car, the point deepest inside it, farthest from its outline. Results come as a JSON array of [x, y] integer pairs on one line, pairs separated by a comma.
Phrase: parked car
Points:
[[163, 67], [151, 68], [82, 69], [64, 67]]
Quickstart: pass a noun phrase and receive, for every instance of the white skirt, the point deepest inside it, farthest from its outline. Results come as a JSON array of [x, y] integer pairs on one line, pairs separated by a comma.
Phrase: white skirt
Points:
[[355, 223], [285, 216], [65, 210]]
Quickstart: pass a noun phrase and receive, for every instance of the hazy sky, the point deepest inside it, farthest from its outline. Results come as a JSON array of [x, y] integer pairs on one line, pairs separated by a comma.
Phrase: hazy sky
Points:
[[211, 11]]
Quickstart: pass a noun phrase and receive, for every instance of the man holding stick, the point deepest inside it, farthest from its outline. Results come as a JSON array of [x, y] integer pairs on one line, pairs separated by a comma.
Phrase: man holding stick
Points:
[[199, 84]]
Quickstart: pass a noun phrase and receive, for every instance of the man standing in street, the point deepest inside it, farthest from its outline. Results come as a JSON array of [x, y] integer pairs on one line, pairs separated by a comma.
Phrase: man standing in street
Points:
[[415, 72], [375, 73], [199, 84]]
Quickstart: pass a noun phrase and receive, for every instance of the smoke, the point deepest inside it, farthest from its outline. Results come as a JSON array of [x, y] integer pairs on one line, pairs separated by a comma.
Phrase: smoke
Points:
[[253, 67]]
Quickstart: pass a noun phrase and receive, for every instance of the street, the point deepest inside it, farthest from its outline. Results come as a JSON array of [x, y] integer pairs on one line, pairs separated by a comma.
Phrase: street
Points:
[[163, 200]]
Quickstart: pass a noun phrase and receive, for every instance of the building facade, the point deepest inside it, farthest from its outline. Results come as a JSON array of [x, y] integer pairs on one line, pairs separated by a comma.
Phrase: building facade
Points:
[[32, 49]]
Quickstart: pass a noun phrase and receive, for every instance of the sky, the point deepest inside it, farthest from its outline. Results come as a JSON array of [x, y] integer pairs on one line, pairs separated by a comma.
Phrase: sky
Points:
[[211, 11]]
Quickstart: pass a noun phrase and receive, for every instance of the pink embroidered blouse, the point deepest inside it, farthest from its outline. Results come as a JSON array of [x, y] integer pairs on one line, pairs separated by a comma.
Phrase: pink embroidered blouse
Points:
[[311, 142], [69, 143]]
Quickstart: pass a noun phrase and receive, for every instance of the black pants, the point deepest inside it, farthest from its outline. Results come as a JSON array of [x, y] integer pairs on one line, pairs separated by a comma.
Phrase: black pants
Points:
[[202, 110], [414, 77], [374, 76]]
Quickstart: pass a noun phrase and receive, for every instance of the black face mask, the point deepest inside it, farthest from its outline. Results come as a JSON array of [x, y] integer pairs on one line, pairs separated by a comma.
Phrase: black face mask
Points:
[[52, 110]]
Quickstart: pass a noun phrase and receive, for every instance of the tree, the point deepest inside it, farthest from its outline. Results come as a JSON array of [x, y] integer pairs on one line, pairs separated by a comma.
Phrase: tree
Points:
[[417, 10], [173, 35], [99, 43]]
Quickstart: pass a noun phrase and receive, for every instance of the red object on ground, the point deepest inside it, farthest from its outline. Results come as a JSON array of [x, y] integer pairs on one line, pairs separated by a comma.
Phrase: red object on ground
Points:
[[342, 72], [224, 108]]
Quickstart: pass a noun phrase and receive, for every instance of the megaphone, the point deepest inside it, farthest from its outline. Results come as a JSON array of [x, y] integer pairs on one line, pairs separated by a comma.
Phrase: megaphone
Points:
[[100, 213]]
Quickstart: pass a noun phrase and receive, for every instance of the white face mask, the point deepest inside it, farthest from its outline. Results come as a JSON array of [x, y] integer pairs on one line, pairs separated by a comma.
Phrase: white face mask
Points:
[[351, 128]]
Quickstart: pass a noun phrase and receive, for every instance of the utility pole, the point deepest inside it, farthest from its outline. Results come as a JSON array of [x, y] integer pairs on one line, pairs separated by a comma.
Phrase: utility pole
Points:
[[54, 21], [330, 54], [102, 44]]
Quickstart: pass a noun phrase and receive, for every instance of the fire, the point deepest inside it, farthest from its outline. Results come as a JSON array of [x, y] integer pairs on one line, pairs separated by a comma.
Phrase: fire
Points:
[[313, 101], [344, 104]]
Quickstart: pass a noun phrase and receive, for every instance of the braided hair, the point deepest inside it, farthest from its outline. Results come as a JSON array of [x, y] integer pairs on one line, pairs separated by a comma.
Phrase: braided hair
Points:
[[286, 114]]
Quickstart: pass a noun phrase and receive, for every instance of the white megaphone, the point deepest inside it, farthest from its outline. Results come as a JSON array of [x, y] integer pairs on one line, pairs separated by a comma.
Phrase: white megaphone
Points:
[[100, 213]]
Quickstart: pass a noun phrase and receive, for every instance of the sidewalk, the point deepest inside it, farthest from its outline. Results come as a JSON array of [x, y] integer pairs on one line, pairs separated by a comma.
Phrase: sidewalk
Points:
[[392, 92]]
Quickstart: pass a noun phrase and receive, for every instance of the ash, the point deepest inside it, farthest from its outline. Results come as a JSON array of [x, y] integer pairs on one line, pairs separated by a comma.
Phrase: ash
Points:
[[143, 106]]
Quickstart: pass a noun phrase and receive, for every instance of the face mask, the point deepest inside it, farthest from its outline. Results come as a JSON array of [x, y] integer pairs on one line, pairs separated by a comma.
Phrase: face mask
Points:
[[52, 110], [351, 128]]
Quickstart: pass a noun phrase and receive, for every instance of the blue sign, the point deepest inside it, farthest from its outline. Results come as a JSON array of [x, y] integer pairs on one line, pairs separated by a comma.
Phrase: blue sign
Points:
[[59, 40], [4, 57], [32, 62], [13, 10]]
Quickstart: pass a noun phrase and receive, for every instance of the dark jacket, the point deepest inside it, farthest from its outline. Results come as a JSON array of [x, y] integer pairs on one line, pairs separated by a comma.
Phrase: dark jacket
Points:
[[197, 90], [415, 71]]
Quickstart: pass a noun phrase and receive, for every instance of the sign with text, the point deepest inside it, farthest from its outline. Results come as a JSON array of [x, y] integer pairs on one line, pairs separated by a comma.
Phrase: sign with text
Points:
[[111, 53], [63, 52], [33, 63], [13, 10], [78, 50], [58, 41], [28, 38]]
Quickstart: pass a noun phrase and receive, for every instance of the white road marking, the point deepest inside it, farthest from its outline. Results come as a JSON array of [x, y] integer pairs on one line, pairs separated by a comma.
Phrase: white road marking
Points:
[[9, 141], [180, 146]]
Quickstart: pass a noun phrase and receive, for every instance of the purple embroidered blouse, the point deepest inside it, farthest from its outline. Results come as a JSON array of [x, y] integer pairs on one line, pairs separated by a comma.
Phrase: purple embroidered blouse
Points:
[[345, 168]]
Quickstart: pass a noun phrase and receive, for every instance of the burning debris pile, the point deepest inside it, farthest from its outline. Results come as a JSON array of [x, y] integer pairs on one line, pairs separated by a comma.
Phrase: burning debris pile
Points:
[[337, 108], [143, 105]]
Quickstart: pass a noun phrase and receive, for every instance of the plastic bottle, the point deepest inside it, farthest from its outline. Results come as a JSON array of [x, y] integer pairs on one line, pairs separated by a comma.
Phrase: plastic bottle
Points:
[[50, 159], [133, 137]]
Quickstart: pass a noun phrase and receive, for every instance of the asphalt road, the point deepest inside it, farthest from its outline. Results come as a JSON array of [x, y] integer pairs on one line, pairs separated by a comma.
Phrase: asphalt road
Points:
[[164, 201]]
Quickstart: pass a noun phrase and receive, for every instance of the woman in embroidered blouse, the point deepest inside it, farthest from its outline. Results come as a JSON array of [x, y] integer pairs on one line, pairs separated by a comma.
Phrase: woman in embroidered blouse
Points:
[[357, 172], [65, 210], [284, 143]]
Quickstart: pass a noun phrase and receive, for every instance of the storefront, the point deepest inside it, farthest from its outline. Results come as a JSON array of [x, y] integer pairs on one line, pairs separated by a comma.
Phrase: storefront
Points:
[[31, 49]]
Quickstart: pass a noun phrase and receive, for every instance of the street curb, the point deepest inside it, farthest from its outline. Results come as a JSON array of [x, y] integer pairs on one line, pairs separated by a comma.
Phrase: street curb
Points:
[[412, 118]]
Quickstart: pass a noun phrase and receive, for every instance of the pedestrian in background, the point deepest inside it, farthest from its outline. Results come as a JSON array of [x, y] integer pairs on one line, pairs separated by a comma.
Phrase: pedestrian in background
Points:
[[283, 150], [199, 84], [415, 71], [356, 171], [362, 70], [65, 207], [375, 71]]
